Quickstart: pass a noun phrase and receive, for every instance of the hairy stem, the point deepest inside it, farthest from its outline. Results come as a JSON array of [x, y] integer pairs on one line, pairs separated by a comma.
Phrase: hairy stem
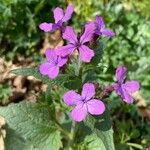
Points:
[[59, 126], [63, 130], [78, 66], [73, 133]]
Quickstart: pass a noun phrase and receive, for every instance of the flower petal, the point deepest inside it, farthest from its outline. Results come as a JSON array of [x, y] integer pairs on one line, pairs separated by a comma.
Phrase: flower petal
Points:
[[58, 14], [79, 112], [117, 88], [46, 27], [131, 86], [88, 91], [101, 27], [86, 53], [51, 56], [71, 98], [126, 96], [95, 107], [44, 68], [121, 72], [88, 32], [53, 72], [100, 22], [123, 93], [70, 35], [68, 13], [65, 50], [107, 32], [62, 61]]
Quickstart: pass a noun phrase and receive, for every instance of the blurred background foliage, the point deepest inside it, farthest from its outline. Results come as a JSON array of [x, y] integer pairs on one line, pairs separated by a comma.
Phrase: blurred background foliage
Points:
[[19, 31], [129, 19]]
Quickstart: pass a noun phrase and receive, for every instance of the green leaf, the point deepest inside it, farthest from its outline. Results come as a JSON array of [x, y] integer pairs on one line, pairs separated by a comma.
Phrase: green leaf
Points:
[[99, 50], [19, 143], [73, 84], [35, 73], [101, 126], [30, 123], [94, 143], [86, 139], [30, 72]]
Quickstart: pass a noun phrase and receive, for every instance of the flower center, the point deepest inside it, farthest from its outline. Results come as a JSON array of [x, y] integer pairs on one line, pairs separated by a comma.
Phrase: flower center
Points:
[[78, 44], [84, 99]]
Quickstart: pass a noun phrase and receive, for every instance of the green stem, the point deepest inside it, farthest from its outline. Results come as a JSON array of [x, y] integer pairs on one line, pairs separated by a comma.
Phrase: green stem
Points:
[[77, 70], [73, 133], [73, 128], [59, 126], [64, 131]]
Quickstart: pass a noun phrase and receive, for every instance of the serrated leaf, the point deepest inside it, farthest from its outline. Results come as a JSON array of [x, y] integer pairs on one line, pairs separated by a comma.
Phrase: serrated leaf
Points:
[[31, 123], [35, 73], [101, 126]]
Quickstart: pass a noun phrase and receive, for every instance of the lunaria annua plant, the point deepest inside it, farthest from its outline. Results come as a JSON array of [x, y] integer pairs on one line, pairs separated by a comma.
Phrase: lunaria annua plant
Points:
[[58, 57], [76, 100]]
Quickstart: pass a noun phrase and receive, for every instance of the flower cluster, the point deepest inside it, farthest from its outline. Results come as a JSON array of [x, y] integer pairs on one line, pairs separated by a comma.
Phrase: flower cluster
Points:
[[56, 58], [86, 103], [74, 42]]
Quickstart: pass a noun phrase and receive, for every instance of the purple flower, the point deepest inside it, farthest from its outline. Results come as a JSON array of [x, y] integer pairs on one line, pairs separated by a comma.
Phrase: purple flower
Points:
[[125, 89], [84, 103], [60, 17], [101, 29], [78, 43], [52, 65]]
